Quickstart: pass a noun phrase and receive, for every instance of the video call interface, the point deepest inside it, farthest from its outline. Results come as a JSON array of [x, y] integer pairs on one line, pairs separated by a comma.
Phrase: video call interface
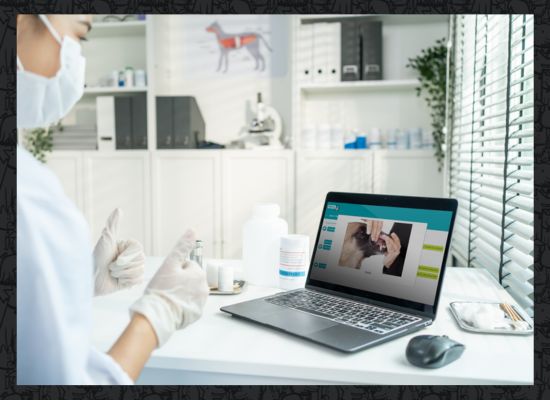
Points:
[[392, 251]]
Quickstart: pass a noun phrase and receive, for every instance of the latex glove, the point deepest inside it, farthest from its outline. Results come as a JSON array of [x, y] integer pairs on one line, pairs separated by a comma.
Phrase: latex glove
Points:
[[393, 248], [177, 293], [118, 264]]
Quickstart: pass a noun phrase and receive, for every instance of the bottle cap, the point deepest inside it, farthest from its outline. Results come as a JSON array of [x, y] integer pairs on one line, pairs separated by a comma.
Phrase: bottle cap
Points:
[[266, 210]]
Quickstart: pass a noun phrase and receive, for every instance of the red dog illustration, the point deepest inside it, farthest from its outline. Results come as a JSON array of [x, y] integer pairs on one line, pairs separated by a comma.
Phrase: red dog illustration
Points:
[[229, 42]]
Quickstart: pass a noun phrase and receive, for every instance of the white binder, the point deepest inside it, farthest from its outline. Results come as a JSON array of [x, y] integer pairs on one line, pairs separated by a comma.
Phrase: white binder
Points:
[[106, 130], [326, 52], [304, 53], [334, 31], [321, 43]]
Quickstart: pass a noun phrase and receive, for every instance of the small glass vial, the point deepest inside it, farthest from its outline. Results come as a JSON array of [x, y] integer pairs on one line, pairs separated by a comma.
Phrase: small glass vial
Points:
[[196, 253]]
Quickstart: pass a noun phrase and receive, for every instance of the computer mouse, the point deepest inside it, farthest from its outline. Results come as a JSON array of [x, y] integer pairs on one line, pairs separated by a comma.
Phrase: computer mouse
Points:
[[431, 351]]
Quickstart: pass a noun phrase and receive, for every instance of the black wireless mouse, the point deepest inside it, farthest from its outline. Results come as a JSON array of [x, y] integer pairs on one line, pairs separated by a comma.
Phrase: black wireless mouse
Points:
[[430, 351]]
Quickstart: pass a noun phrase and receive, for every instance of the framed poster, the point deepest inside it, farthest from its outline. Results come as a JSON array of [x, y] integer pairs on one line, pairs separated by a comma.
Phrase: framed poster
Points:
[[232, 45]]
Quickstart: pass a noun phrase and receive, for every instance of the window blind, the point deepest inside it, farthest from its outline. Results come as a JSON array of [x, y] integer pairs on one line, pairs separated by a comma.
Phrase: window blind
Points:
[[490, 139]]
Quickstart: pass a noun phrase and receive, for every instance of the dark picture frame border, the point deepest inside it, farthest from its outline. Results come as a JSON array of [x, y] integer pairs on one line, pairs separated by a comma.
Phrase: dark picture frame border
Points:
[[8, 141]]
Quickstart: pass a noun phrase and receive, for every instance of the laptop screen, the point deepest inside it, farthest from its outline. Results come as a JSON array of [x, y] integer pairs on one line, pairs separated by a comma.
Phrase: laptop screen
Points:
[[391, 251]]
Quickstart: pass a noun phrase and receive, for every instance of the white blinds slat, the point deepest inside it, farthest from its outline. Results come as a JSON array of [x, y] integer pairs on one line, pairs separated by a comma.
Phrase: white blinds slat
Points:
[[491, 147]]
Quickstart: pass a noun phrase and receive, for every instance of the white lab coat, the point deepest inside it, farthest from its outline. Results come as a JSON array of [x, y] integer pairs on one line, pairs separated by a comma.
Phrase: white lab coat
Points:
[[54, 286]]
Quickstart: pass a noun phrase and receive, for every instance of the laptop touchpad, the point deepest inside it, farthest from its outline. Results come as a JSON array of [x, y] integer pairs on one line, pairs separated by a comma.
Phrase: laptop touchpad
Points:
[[297, 321]]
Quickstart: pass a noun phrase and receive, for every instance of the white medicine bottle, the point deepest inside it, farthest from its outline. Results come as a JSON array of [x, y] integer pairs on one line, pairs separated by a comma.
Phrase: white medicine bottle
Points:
[[261, 244]]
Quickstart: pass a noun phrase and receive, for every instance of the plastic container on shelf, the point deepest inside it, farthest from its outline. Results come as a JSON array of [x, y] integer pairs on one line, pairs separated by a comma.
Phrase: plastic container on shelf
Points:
[[121, 81], [416, 138], [402, 140], [391, 138], [361, 140], [375, 139], [129, 77], [309, 134], [336, 136], [349, 139], [261, 244], [323, 136], [140, 78], [427, 139]]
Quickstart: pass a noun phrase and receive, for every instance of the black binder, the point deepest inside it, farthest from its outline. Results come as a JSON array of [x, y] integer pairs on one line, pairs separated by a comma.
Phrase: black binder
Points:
[[180, 124], [165, 123], [123, 122], [350, 51], [139, 121], [371, 36]]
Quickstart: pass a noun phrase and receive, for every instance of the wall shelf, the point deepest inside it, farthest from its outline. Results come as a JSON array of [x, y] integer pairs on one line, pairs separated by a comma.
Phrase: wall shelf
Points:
[[124, 28], [101, 90], [362, 86]]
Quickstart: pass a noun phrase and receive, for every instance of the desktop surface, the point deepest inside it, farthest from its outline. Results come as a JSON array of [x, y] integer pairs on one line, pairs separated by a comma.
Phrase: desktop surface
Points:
[[220, 349]]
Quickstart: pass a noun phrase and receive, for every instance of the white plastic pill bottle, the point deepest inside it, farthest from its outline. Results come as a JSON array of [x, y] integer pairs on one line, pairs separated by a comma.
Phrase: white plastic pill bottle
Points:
[[293, 261]]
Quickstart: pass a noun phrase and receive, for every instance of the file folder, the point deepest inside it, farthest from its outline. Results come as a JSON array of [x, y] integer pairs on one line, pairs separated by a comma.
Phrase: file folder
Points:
[[333, 52], [350, 51], [105, 119], [304, 53], [371, 36], [321, 43], [139, 121], [123, 122]]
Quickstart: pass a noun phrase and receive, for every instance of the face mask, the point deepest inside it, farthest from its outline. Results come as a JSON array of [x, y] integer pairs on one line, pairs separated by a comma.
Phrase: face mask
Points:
[[43, 101]]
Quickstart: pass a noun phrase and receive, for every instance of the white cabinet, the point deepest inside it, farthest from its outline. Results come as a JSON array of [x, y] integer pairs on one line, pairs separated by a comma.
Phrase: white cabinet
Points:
[[186, 194], [119, 179], [320, 172], [254, 177], [67, 166], [164, 192], [407, 172]]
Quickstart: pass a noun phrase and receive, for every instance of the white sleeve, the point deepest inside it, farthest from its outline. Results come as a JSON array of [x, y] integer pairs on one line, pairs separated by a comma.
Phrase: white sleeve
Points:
[[54, 286], [103, 370]]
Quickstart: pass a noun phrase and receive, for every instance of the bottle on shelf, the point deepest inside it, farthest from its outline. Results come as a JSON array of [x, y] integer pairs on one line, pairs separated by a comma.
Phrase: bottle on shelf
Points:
[[350, 139], [375, 141], [391, 138], [323, 136], [309, 134], [361, 140], [129, 77], [337, 136]]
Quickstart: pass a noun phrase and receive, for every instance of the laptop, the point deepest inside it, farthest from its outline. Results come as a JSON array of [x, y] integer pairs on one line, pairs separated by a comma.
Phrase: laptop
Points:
[[375, 274]]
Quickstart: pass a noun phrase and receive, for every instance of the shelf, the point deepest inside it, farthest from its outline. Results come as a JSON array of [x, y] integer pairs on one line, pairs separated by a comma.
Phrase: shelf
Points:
[[359, 86], [387, 18], [107, 29], [100, 90]]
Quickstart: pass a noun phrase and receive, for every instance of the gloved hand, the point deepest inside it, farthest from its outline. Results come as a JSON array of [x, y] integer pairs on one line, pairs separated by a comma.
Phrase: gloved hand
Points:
[[118, 264], [177, 293]]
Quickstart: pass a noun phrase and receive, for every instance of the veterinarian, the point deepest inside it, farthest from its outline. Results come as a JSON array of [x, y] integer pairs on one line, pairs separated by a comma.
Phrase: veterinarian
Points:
[[57, 273]]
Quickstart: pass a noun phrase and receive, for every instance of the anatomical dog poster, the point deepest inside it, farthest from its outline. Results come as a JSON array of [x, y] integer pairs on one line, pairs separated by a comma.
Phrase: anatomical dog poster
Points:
[[229, 45]]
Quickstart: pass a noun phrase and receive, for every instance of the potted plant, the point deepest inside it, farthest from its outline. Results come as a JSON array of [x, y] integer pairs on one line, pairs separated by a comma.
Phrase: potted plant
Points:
[[39, 141], [431, 65]]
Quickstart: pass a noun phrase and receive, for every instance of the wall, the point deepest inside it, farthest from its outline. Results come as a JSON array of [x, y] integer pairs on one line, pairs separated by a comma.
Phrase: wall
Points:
[[225, 100]]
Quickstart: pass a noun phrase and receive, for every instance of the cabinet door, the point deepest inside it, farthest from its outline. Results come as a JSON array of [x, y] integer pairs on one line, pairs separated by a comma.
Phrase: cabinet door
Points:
[[186, 194], [67, 166], [320, 172], [250, 178], [407, 172], [119, 179]]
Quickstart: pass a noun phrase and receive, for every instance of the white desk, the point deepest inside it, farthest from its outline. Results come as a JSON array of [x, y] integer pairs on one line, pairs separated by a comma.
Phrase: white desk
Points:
[[220, 349]]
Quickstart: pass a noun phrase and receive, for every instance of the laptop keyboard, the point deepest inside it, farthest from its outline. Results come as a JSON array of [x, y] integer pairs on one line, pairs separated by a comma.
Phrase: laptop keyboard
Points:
[[363, 316]]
